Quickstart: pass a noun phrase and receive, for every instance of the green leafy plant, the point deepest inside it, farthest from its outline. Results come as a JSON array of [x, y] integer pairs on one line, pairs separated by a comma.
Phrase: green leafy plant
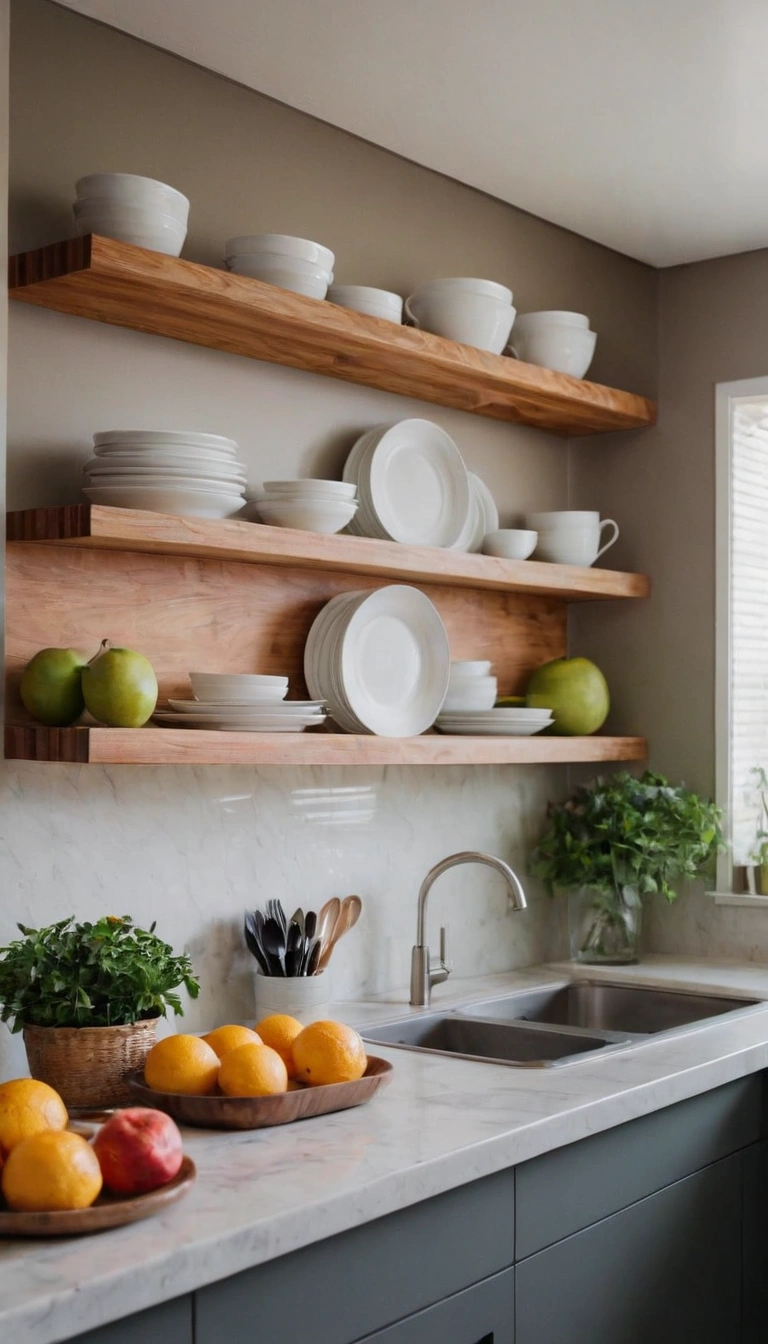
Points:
[[629, 836], [759, 854], [91, 975]]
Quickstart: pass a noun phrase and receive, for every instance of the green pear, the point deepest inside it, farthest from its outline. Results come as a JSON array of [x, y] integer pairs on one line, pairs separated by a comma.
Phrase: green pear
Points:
[[120, 687], [577, 693], [51, 689]]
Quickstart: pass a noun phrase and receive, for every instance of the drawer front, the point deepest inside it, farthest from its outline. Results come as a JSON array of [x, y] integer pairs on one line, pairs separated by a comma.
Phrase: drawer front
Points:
[[562, 1192], [665, 1271], [484, 1314], [170, 1323], [360, 1281]]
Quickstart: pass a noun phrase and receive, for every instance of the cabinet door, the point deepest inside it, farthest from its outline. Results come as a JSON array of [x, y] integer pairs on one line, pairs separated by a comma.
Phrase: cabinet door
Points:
[[665, 1270], [484, 1314], [170, 1323], [755, 1243]]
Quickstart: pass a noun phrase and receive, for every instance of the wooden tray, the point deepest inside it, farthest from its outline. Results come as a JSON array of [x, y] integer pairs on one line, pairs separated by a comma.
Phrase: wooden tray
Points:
[[108, 1211], [260, 1112]]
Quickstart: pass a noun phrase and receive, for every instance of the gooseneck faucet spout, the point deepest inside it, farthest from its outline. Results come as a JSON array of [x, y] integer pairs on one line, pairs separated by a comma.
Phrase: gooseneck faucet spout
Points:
[[423, 974]]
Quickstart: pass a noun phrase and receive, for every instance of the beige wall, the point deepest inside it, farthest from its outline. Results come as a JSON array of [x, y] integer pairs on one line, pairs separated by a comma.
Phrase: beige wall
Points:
[[194, 846]]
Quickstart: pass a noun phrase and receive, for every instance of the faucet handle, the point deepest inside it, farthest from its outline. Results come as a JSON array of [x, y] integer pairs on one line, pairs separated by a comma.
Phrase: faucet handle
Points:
[[444, 962]]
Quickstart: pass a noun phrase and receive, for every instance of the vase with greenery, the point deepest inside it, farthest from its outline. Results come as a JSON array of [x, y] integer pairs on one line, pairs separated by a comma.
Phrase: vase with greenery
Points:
[[615, 842], [758, 856], [88, 998]]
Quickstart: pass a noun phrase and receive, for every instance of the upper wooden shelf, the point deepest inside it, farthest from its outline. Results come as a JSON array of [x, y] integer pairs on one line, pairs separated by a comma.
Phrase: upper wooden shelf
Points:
[[130, 287], [179, 746], [96, 526]]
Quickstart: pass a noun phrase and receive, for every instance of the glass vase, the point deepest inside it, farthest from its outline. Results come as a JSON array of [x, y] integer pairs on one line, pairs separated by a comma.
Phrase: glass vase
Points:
[[604, 927]]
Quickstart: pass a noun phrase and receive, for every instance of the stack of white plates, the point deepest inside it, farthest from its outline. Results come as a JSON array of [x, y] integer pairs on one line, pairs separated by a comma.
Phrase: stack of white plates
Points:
[[314, 506], [166, 471], [495, 722], [380, 660], [241, 703], [482, 518], [411, 483]]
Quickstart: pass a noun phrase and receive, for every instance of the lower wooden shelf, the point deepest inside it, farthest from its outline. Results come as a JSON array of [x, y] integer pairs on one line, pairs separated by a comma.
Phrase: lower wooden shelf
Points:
[[178, 746]]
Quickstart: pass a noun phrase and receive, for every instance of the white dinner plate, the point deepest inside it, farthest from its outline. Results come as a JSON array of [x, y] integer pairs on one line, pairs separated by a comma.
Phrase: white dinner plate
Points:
[[248, 709], [488, 504], [416, 483], [476, 525], [489, 729]]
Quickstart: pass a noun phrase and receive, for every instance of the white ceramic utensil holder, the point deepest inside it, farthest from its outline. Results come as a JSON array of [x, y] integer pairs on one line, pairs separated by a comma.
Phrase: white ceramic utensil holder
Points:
[[305, 997]]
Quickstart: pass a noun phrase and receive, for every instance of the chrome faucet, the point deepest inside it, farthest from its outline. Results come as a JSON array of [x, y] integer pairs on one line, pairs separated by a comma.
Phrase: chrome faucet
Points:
[[423, 974]]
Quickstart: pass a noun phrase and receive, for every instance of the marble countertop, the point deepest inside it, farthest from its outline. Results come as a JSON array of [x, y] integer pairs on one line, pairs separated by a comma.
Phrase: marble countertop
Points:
[[441, 1123]]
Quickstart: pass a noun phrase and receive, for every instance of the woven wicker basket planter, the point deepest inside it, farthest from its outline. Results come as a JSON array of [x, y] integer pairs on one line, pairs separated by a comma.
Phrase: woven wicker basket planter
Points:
[[87, 1065]]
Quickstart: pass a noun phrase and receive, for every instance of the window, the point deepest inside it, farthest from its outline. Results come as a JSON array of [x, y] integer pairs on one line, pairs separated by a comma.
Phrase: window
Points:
[[742, 619]]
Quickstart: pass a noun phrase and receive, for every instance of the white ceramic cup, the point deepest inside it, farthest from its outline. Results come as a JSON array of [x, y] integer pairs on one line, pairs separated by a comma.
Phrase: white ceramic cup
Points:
[[380, 303], [571, 536], [303, 996], [564, 349], [452, 309]]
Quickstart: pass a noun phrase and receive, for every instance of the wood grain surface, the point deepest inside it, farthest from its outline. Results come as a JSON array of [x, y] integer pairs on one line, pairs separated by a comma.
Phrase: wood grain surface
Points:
[[100, 527], [264, 1112], [108, 1211], [128, 286]]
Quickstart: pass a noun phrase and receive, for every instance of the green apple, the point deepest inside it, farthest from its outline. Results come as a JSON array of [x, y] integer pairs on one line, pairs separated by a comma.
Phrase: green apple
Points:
[[120, 687], [577, 693], [51, 689]]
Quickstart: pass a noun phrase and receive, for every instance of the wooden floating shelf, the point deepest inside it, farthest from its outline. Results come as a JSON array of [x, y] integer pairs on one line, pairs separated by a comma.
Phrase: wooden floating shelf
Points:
[[96, 526], [128, 286], [179, 746]]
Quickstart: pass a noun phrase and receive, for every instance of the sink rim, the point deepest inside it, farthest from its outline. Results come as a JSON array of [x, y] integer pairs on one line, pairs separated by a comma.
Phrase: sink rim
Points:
[[606, 1041]]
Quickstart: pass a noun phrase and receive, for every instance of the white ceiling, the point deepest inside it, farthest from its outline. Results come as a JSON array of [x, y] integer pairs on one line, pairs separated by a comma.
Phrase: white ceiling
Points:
[[642, 124]]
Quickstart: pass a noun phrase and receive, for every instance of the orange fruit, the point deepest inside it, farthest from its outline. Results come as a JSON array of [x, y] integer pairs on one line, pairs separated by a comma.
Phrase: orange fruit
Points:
[[328, 1052], [54, 1169], [224, 1039], [28, 1107], [185, 1064], [279, 1031], [252, 1071]]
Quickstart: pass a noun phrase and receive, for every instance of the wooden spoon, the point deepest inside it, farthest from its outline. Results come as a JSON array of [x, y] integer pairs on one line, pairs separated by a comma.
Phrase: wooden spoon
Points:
[[326, 921], [349, 914]]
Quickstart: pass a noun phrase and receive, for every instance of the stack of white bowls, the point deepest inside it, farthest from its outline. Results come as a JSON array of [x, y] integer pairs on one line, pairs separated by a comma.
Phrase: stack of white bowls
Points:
[[475, 312], [133, 209], [279, 259], [166, 471], [555, 340], [471, 687], [241, 702], [311, 506], [364, 299]]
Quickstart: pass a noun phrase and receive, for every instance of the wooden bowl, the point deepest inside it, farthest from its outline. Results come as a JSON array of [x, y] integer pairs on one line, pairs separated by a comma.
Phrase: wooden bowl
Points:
[[108, 1211], [259, 1112]]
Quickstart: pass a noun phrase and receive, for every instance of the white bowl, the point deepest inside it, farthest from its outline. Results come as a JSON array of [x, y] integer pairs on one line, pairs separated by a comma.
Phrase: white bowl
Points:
[[511, 543], [471, 318], [273, 261], [167, 499], [167, 462], [158, 234], [250, 244], [564, 349], [380, 303], [308, 515], [343, 491], [470, 667], [459, 699], [185, 438], [130, 189], [551, 317], [313, 286], [468, 285], [209, 689]]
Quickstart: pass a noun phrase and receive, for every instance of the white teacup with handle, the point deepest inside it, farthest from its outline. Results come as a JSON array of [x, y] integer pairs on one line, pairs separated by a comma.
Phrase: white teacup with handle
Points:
[[571, 536]]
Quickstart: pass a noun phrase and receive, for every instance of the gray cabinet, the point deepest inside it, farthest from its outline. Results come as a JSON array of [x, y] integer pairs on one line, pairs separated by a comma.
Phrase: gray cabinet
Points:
[[755, 1244], [170, 1323], [665, 1270], [484, 1314]]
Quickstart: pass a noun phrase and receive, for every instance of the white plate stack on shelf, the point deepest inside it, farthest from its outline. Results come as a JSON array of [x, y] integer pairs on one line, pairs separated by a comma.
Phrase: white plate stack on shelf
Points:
[[309, 505], [413, 487], [515, 722], [380, 660], [166, 471], [241, 703]]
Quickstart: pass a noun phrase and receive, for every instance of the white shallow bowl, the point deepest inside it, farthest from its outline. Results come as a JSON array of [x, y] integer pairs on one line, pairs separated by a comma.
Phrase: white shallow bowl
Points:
[[469, 700], [511, 543], [472, 318], [155, 231], [131, 189], [341, 490], [308, 515], [380, 303], [250, 244], [551, 317], [165, 438], [564, 349], [101, 467], [470, 667], [289, 708], [219, 687], [312, 286], [186, 503]]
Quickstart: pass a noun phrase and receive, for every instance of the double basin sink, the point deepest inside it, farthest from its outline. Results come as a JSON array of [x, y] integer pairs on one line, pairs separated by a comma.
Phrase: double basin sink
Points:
[[560, 1024]]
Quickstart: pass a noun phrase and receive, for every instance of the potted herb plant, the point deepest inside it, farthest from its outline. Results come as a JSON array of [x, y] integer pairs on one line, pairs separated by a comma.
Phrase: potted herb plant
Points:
[[88, 998], [759, 855], [612, 843]]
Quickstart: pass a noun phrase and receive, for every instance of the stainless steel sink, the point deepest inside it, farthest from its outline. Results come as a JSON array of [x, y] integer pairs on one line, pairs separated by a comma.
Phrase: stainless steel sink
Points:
[[527, 1046], [632, 1009], [560, 1024]]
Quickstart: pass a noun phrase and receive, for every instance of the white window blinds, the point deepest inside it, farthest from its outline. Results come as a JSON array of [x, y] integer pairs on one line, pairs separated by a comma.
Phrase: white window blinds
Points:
[[749, 620]]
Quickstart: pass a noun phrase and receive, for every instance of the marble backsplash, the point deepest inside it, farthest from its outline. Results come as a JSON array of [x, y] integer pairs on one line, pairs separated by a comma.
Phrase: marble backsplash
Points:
[[191, 848]]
